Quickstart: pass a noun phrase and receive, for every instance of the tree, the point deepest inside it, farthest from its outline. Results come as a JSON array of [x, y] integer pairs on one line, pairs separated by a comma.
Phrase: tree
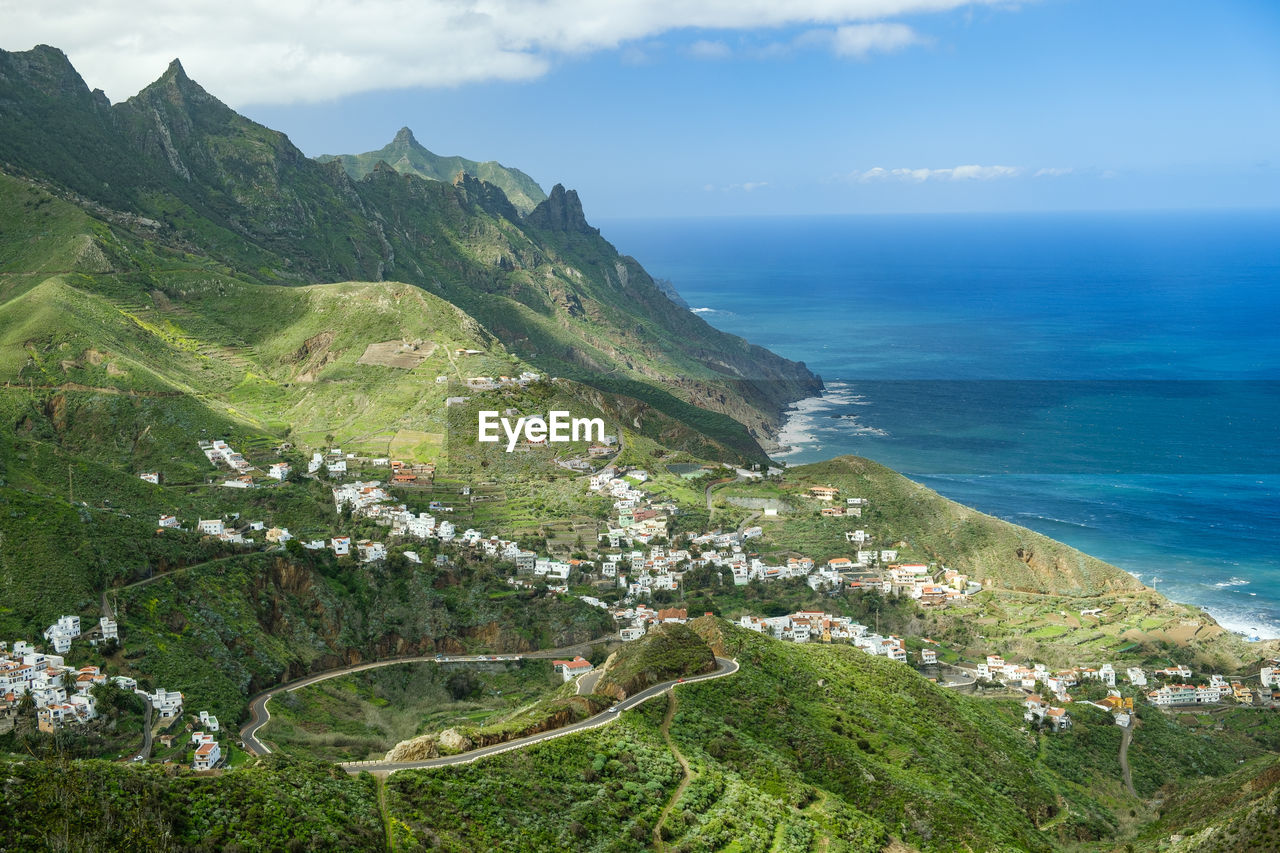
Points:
[[27, 703]]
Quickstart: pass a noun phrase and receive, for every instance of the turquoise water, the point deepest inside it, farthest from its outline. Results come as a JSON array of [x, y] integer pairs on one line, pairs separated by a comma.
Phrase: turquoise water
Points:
[[1111, 380]]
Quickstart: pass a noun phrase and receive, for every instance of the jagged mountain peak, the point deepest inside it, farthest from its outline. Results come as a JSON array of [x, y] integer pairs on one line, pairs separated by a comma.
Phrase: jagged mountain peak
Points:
[[405, 138], [562, 211], [176, 87]]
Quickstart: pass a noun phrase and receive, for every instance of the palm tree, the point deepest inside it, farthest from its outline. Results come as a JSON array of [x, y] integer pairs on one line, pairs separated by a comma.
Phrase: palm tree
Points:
[[27, 704]]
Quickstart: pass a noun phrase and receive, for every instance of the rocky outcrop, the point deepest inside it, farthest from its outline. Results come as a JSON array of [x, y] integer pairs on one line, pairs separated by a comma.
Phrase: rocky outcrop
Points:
[[454, 741], [562, 211]]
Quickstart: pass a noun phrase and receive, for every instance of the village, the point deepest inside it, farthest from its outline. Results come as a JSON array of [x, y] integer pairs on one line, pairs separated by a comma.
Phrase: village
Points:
[[59, 695], [632, 560]]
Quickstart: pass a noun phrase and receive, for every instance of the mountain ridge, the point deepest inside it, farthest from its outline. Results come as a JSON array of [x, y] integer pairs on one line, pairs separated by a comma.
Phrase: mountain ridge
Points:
[[408, 156], [241, 194]]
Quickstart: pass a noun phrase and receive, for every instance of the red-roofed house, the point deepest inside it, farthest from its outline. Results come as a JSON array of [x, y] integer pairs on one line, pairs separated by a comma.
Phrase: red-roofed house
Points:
[[572, 668]]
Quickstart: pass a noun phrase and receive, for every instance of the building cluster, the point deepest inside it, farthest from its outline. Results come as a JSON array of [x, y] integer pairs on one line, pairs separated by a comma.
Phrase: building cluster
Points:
[[812, 626], [59, 693], [640, 519], [231, 530], [1173, 692], [1216, 690], [221, 454], [204, 742], [492, 383], [635, 620], [1037, 710]]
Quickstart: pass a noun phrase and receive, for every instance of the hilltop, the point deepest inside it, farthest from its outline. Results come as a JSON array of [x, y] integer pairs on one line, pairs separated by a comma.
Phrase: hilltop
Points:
[[408, 156]]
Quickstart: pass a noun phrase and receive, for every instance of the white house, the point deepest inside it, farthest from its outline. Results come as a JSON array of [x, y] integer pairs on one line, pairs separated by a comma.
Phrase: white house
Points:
[[211, 526], [341, 545], [371, 551], [167, 521], [337, 466], [150, 478], [279, 470], [316, 463], [207, 756], [1270, 676], [69, 625], [572, 668], [1136, 676], [110, 630], [209, 721], [166, 703]]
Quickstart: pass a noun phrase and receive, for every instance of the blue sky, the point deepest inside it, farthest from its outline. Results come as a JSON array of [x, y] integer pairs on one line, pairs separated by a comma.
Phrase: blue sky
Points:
[[843, 106]]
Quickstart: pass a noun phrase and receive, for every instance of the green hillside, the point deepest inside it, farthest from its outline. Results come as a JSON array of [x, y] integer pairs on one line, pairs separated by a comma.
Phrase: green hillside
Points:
[[925, 526], [407, 156], [807, 748], [197, 186]]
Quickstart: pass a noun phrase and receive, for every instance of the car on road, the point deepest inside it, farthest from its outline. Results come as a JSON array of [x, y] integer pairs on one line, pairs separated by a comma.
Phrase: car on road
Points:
[[681, 681]]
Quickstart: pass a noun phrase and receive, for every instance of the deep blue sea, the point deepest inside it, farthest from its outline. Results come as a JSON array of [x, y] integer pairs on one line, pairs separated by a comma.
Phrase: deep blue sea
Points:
[[1110, 380]]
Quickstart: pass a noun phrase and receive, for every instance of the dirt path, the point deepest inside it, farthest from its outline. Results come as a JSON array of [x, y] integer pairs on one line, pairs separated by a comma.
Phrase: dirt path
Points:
[[95, 389], [381, 782], [1124, 758], [672, 702]]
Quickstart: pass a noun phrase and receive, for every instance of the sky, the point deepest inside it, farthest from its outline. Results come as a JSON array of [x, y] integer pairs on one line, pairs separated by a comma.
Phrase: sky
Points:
[[664, 108]]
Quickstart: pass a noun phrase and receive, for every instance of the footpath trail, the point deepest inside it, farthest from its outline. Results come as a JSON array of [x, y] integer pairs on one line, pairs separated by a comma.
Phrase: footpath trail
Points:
[[1124, 757], [672, 703], [381, 782]]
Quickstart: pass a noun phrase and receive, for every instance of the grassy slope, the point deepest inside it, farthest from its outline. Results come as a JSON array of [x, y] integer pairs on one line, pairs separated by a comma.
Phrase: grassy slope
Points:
[[365, 714], [228, 189], [1237, 813], [665, 652], [807, 747], [935, 528]]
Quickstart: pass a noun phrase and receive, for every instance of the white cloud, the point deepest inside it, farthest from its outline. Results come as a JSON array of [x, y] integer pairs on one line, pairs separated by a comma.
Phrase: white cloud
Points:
[[859, 40], [1052, 173], [746, 186], [275, 51], [704, 49], [955, 173], [854, 41]]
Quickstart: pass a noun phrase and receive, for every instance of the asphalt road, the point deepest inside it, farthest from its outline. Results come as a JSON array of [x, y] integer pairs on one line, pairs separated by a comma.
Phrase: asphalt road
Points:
[[259, 716], [1125, 740], [725, 667], [587, 683]]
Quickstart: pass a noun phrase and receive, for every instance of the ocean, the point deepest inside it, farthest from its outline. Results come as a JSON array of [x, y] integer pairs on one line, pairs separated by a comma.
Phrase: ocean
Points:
[[1111, 380]]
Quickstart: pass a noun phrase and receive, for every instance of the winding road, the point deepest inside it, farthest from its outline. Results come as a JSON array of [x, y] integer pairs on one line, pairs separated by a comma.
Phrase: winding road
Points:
[[259, 716], [724, 667]]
